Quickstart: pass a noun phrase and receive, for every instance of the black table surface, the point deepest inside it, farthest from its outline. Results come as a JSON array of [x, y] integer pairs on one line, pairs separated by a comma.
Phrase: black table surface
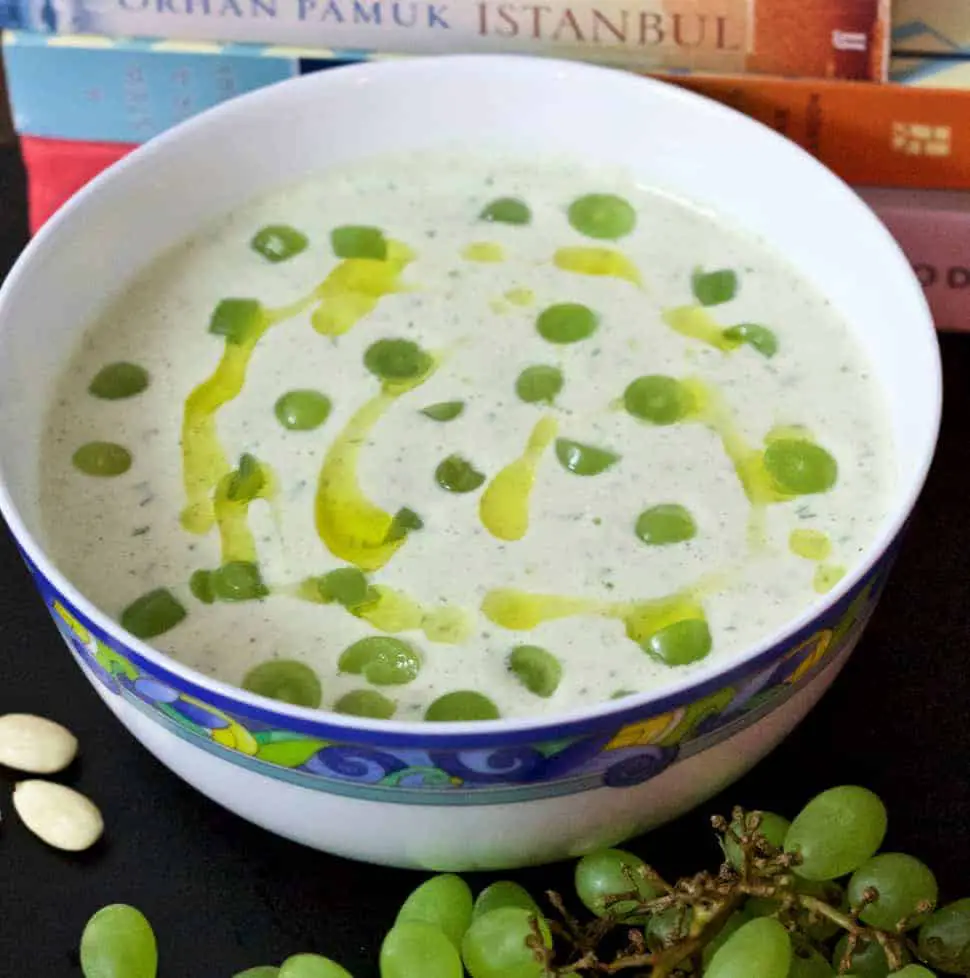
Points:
[[224, 895]]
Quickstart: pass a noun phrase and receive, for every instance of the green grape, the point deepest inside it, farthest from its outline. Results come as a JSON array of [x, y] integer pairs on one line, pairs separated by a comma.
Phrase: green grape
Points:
[[382, 660], [247, 481], [354, 241], [583, 459], [444, 901], [611, 873], [714, 288], [285, 680], [457, 474], [772, 827], [346, 586], [366, 703], [680, 643], [668, 926], [658, 399], [902, 882], [397, 360], [240, 321], [737, 920], [200, 584], [118, 380], [944, 939], [462, 705], [602, 216], [539, 384], [239, 580], [913, 971], [665, 524], [760, 948], [278, 242], [759, 338], [504, 893], [302, 409], [118, 942], [444, 410], [260, 971], [413, 947], [104, 459], [404, 522], [496, 945], [538, 670], [800, 467], [806, 962], [312, 966], [506, 210], [868, 959], [566, 322], [836, 832], [152, 614]]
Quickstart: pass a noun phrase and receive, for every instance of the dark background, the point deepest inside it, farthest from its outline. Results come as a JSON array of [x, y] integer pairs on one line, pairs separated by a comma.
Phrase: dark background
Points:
[[223, 895]]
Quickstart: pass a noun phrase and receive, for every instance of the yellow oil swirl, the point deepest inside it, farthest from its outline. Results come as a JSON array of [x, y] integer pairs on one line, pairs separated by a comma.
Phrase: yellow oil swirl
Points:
[[394, 611], [351, 527], [597, 261], [232, 517], [520, 296], [810, 544], [504, 506], [827, 576], [487, 252], [697, 323]]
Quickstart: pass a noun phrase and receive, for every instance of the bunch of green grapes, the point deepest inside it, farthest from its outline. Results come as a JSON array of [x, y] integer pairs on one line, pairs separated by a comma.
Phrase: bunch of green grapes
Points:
[[810, 898]]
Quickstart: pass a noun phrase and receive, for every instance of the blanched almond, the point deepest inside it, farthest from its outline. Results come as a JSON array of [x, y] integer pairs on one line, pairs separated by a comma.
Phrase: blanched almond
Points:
[[35, 744]]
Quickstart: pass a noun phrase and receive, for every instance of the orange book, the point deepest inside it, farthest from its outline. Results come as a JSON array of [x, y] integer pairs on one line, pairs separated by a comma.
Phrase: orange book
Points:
[[875, 135]]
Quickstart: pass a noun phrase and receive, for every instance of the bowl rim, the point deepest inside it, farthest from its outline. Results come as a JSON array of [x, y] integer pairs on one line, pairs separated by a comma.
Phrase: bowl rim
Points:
[[694, 685]]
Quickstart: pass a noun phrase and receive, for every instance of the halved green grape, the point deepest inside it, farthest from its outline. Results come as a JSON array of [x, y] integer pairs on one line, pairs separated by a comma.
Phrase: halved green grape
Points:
[[806, 962], [506, 210], [714, 288], [868, 959], [312, 966], [260, 971], [118, 942], [760, 948], [583, 459], [497, 944], [238, 320], [664, 524], [566, 322], [734, 923], [366, 703], [104, 459], [118, 380], [944, 939], [444, 901], [278, 242], [610, 873], [397, 360], [414, 947], [772, 828], [356, 241], [539, 384], [457, 474], [800, 467], [444, 410], [759, 338], [658, 399], [403, 522], [605, 217], [902, 883], [346, 586], [538, 670], [836, 832], [460, 706], [680, 643], [504, 893], [285, 680], [668, 926], [382, 660], [238, 580], [200, 584], [302, 409], [247, 481], [152, 614], [913, 971]]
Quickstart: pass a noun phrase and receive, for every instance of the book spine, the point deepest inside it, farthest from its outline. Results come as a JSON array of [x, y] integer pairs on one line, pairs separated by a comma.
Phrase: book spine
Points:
[[818, 38], [884, 135], [129, 91]]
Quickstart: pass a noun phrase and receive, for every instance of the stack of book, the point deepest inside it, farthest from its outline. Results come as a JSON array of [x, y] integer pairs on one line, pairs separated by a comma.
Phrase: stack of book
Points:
[[880, 96]]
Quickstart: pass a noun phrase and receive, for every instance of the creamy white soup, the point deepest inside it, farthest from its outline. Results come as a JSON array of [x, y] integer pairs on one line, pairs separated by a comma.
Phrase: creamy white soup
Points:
[[454, 437]]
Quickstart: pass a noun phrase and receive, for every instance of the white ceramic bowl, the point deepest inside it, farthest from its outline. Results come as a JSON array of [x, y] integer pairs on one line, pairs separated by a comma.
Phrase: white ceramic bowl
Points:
[[504, 793]]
